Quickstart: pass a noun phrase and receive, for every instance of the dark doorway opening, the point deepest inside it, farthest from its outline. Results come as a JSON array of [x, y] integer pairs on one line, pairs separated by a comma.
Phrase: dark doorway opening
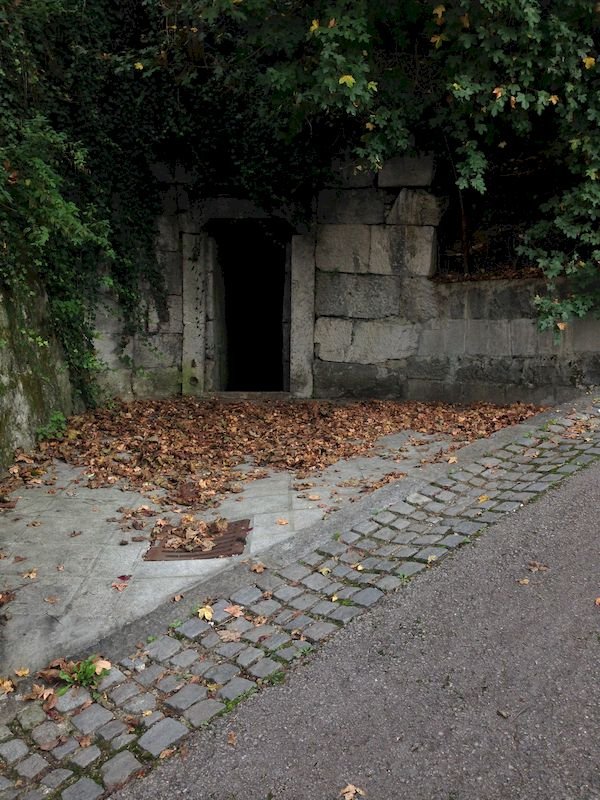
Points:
[[253, 263]]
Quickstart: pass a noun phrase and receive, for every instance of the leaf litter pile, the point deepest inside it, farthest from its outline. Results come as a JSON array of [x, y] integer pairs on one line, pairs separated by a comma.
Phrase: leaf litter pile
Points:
[[198, 450]]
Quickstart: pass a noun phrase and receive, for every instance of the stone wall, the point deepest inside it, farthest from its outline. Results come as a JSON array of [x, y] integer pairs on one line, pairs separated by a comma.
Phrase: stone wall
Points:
[[369, 318], [34, 379]]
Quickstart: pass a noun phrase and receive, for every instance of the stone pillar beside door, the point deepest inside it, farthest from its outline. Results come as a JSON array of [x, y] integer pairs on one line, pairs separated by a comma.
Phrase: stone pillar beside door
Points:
[[302, 325], [197, 254]]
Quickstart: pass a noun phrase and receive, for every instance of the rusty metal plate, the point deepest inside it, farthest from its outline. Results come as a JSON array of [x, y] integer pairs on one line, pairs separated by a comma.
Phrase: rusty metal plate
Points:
[[229, 543]]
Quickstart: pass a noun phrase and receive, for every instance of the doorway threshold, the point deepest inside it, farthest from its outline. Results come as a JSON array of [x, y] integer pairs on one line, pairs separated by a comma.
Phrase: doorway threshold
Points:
[[235, 396]]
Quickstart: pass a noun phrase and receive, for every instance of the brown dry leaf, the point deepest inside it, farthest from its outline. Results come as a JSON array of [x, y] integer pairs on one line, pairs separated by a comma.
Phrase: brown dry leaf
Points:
[[60, 567], [6, 597], [101, 665], [260, 620], [206, 613], [258, 567], [232, 738], [229, 636], [234, 610], [85, 741], [23, 672], [6, 686], [325, 570], [119, 586], [18, 559], [535, 566], [351, 792], [52, 599], [523, 582], [453, 460], [177, 598], [167, 752], [597, 601], [39, 692], [314, 496], [34, 523], [73, 534], [282, 521], [32, 574], [147, 713]]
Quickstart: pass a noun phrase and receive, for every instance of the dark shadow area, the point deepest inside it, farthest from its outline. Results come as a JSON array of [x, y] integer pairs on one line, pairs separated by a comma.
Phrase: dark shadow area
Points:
[[252, 261]]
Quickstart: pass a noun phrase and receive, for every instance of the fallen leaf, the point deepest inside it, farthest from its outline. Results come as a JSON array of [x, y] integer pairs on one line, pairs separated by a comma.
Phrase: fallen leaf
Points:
[[18, 559], [34, 523], [351, 792], [147, 713], [52, 599], [23, 672], [206, 613], [232, 738], [358, 567], [314, 496], [453, 460], [282, 521], [60, 567], [597, 601], [32, 574], [234, 610], [123, 577], [483, 498], [431, 560], [535, 566], [334, 598], [85, 741], [101, 665], [523, 582], [119, 586], [503, 714], [258, 567], [6, 686], [325, 570], [73, 534], [177, 598]]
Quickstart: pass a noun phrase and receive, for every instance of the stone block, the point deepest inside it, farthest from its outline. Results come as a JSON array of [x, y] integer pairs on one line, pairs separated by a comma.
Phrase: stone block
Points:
[[118, 769], [332, 338], [186, 697], [303, 315], [204, 711], [406, 171], [13, 750], [417, 207], [524, 337], [92, 718], [167, 233], [487, 337], [418, 248], [584, 335], [235, 688], [384, 258], [339, 380], [55, 778], [343, 248], [84, 789], [351, 175], [350, 206], [447, 336], [31, 766], [164, 648], [357, 296], [86, 756], [73, 699], [264, 668], [376, 341], [158, 350], [164, 734]]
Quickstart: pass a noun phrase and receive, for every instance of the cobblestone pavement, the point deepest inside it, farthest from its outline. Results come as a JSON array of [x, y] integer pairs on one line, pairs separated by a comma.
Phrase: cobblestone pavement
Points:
[[263, 622]]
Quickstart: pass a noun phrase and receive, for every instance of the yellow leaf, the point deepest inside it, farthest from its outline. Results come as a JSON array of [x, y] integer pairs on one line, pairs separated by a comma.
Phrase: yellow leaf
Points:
[[23, 672], [453, 460], [206, 613], [358, 567], [351, 792], [314, 26], [32, 574], [437, 40], [597, 601], [369, 126], [6, 686], [523, 582], [101, 665], [438, 11], [324, 570], [498, 92], [147, 713], [589, 62], [430, 560], [561, 326], [232, 738], [554, 99], [331, 23], [334, 598], [465, 21], [347, 80], [483, 498], [513, 102], [138, 65]]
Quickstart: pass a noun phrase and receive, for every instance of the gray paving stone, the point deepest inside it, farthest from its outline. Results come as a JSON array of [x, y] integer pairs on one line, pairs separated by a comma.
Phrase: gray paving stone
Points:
[[266, 608], [13, 750], [259, 632], [410, 568], [114, 677], [72, 700], [289, 653], [401, 508], [295, 572], [202, 667], [184, 659], [384, 565], [239, 625], [246, 596], [125, 739], [319, 631], [285, 592], [404, 538], [264, 668], [367, 597], [426, 539], [49, 733], [467, 528], [384, 518], [275, 641], [304, 601], [164, 648], [366, 527], [193, 628], [186, 697], [202, 712], [347, 592], [211, 640], [92, 718], [298, 623], [125, 692], [219, 612], [332, 548], [151, 719], [316, 582], [5, 784], [344, 614], [140, 703], [323, 608], [31, 716], [268, 581], [162, 735], [112, 729], [313, 559], [86, 756], [31, 766], [400, 524], [170, 683], [249, 656], [507, 507], [230, 649], [84, 789], [150, 675], [65, 749], [431, 554], [221, 674], [235, 688], [118, 769], [349, 537], [453, 540], [56, 778], [387, 584]]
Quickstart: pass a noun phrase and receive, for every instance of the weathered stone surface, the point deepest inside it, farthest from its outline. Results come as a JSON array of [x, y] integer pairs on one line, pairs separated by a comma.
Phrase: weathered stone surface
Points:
[[31, 766], [302, 315], [193, 628], [84, 789], [357, 296], [235, 688], [162, 735], [352, 176], [186, 697], [163, 648], [348, 206], [416, 207], [48, 732], [13, 750], [418, 249], [86, 756], [204, 711], [375, 341], [384, 258], [92, 718], [343, 248], [5, 733], [159, 350], [31, 715], [264, 668], [118, 769], [332, 338], [55, 778], [333, 379], [406, 171], [72, 699]]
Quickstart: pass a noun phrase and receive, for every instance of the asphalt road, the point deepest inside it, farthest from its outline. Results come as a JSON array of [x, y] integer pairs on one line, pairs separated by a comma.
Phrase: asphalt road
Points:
[[467, 685]]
